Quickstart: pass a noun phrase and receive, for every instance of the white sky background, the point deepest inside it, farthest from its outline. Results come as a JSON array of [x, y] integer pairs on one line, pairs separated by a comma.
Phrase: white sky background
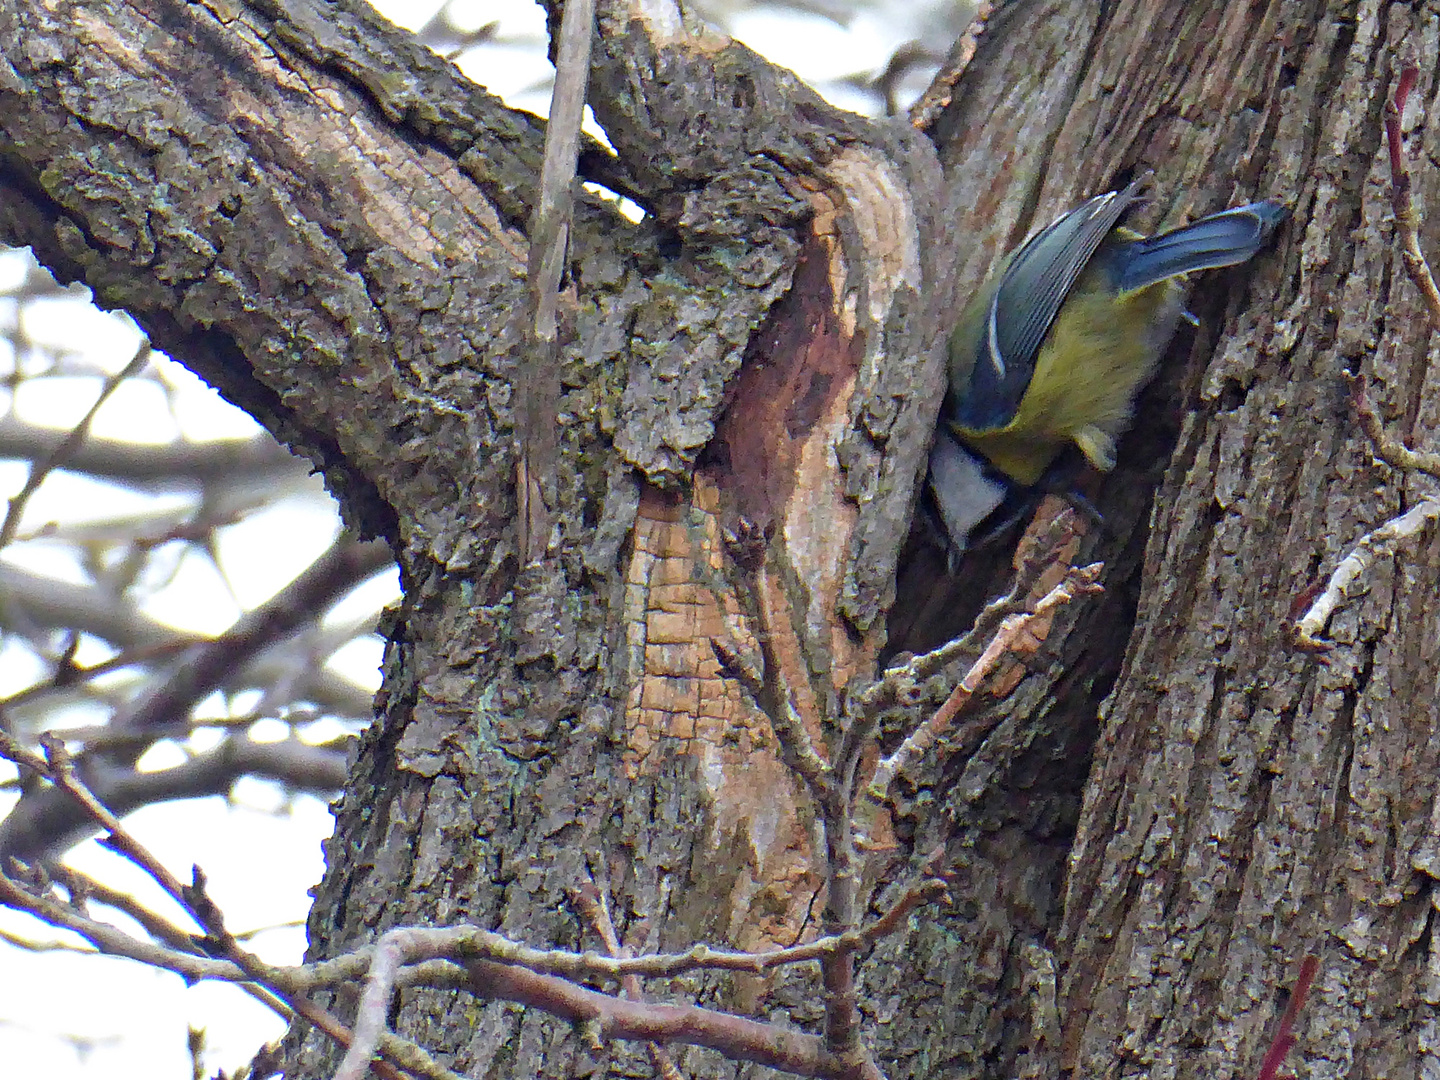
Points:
[[65, 1016]]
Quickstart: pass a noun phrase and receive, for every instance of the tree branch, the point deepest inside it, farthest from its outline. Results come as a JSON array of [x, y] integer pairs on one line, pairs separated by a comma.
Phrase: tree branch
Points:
[[35, 602], [1381, 542], [45, 819], [421, 947], [340, 569], [45, 822], [539, 389], [1078, 581], [259, 459], [612, 1018], [67, 446]]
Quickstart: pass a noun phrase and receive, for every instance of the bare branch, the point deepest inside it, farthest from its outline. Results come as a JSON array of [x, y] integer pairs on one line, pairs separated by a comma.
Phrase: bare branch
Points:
[[550, 223], [226, 462], [46, 603], [85, 890], [345, 565], [295, 764], [539, 389], [396, 948], [218, 941], [1377, 544], [767, 688], [740, 1038], [900, 684], [67, 446], [612, 1018], [45, 821], [1079, 581], [589, 901], [57, 767], [1383, 541], [44, 946], [465, 942], [113, 941], [829, 790], [1385, 446], [411, 957]]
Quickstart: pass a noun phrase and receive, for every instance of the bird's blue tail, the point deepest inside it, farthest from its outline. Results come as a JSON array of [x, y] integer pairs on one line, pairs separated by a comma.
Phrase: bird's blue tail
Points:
[[1222, 239]]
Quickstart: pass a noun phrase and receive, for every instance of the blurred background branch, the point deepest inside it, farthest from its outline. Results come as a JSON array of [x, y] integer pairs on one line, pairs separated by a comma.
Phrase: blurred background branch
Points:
[[122, 626]]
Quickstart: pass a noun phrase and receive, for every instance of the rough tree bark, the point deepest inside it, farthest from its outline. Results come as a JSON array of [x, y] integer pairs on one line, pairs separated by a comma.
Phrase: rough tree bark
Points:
[[1157, 821]]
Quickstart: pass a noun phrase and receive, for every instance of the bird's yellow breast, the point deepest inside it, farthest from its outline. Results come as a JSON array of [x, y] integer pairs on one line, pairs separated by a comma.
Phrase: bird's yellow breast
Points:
[[1099, 351]]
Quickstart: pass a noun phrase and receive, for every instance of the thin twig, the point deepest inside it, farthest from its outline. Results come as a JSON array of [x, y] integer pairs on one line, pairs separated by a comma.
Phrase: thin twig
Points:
[[343, 566], [550, 223], [1407, 218], [45, 946], [539, 387], [901, 684], [1377, 544], [1384, 445], [71, 676], [797, 748], [842, 1030], [831, 797], [67, 446], [466, 942], [433, 950], [589, 901], [1285, 1033], [408, 1055], [395, 949], [57, 767], [1382, 541], [113, 941], [837, 968], [1079, 581], [613, 1018], [43, 819], [85, 890]]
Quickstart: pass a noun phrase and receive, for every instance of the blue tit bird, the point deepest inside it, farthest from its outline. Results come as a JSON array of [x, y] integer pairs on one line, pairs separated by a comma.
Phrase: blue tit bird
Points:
[[1057, 344]]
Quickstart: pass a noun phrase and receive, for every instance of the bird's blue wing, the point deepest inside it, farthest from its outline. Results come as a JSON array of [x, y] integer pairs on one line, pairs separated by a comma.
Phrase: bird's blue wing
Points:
[[1032, 288]]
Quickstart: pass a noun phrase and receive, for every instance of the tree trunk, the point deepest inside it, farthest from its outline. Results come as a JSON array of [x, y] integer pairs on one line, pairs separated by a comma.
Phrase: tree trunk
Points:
[[1145, 831]]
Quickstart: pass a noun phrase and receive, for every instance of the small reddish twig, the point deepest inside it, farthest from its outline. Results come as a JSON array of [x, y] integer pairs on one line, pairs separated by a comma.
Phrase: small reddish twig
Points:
[[1380, 542], [1285, 1034], [1407, 219]]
